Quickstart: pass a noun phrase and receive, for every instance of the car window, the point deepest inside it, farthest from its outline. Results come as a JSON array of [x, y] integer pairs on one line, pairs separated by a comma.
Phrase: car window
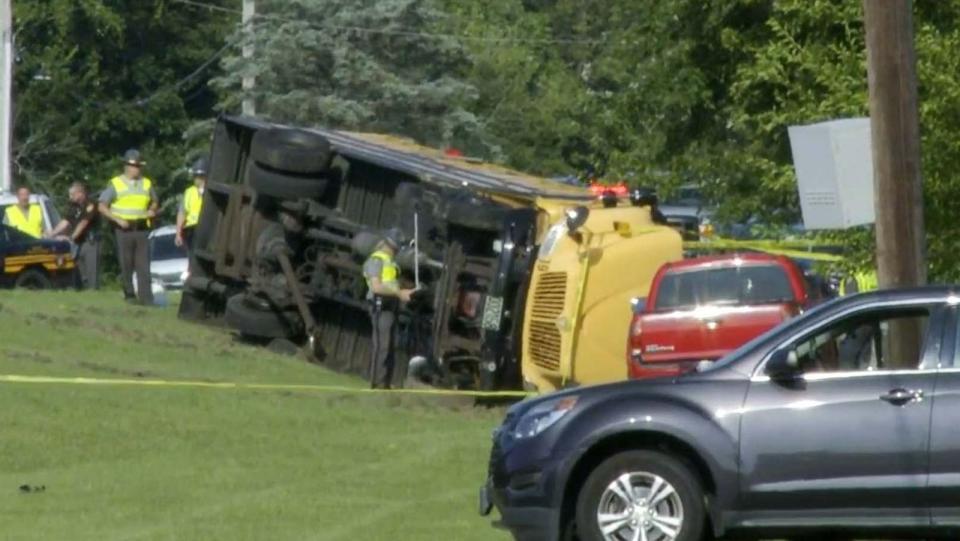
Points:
[[886, 340], [743, 285], [686, 197], [164, 247], [52, 213]]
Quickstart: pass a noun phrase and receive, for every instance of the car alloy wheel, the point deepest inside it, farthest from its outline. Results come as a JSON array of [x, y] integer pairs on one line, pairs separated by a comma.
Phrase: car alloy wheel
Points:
[[641, 495], [640, 506]]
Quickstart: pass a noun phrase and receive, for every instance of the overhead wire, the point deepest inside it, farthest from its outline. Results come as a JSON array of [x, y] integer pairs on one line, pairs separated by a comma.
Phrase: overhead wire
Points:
[[183, 81], [176, 86], [395, 32], [179, 84]]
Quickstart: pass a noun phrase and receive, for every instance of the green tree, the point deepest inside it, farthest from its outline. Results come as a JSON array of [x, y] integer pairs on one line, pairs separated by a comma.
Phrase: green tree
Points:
[[807, 63], [663, 93], [96, 77], [383, 66], [530, 100]]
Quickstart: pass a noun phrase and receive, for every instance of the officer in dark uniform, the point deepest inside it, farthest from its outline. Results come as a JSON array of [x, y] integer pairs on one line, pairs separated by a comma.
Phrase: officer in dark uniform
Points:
[[385, 296], [83, 223]]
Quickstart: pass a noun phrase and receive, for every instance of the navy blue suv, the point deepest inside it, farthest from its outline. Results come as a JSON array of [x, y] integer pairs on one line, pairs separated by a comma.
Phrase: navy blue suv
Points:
[[841, 421]]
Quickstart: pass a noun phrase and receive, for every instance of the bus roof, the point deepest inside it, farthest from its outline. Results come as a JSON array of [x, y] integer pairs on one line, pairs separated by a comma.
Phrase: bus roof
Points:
[[433, 165]]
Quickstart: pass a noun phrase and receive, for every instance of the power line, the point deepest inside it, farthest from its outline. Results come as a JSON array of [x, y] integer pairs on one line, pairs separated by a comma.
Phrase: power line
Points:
[[184, 80], [387, 32], [176, 86]]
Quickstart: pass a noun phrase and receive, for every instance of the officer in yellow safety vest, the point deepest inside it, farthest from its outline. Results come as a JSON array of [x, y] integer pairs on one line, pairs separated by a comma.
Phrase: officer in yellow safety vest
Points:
[[189, 214], [385, 295], [130, 203], [25, 216], [859, 282]]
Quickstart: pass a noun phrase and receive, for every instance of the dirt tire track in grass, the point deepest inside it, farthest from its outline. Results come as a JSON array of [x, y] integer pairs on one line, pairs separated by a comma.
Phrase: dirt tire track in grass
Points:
[[30, 356], [104, 369], [113, 331]]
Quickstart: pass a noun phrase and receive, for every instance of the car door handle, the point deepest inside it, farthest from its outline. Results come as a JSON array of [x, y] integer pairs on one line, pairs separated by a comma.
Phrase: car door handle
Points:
[[712, 323], [901, 397]]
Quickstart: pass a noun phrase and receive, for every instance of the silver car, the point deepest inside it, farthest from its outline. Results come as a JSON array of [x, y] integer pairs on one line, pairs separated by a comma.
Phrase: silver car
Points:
[[168, 262]]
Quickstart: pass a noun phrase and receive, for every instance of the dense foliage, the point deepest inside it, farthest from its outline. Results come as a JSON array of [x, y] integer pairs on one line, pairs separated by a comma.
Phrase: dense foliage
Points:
[[94, 78], [658, 93], [360, 66]]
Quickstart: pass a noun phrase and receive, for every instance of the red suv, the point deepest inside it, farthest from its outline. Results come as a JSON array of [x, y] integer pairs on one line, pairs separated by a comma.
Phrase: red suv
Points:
[[703, 308]]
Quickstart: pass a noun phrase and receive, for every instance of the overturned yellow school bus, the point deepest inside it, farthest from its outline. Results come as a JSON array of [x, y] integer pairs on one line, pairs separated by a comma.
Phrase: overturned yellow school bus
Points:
[[525, 280]]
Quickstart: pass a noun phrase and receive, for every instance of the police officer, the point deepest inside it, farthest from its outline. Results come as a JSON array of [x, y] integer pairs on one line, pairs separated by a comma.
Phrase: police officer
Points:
[[385, 295], [25, 216], [859, 282], [130, 203], [83, 222], [190, 205]]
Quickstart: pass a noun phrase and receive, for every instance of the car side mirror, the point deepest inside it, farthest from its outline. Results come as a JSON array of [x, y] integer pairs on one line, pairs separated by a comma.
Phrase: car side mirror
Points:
[[784, 365], [638, 304]]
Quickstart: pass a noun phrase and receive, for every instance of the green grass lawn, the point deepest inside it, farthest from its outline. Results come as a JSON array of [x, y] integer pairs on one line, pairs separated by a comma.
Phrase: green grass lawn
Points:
[[179, 463]]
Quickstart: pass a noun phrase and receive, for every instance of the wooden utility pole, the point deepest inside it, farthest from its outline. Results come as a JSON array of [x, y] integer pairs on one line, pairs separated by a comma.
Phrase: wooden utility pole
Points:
[[895, 130], [898, 189], [249, 11]]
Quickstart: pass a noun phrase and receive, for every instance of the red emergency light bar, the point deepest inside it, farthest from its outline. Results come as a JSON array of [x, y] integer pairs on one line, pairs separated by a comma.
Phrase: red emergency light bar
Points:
[[620, 189]]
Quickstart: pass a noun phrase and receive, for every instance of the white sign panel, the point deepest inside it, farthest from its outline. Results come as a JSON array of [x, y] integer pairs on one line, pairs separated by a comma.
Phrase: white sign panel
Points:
[[834, 165]]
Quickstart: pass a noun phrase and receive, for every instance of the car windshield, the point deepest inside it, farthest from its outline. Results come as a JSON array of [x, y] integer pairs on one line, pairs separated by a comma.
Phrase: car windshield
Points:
[[163, 247], [685, 197], [730, 286]]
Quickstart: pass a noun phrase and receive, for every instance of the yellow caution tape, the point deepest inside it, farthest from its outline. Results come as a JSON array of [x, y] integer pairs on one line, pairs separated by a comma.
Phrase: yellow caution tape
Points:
[[798, 254], [13, 378], [784, 248], [789, 244]]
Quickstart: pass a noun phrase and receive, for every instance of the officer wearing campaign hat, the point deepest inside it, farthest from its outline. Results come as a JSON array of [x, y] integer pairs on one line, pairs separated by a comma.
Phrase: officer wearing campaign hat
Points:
[[130, 202], [384, 295], [189, 214]]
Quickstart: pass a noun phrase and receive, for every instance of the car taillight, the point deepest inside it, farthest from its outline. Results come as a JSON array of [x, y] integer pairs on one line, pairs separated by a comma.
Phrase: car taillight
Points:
[[634, 345], [636, 327], [791, 310]]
